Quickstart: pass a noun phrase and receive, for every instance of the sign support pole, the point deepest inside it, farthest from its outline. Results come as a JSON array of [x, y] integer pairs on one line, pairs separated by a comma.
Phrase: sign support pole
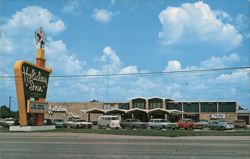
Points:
[[40, 61]]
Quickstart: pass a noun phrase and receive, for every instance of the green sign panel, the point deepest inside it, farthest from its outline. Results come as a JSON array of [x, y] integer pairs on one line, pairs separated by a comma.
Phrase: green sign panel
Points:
[[35, 81]]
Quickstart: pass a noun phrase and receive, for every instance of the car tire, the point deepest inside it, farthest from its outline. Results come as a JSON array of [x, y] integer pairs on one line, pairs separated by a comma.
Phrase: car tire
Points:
[[190, 128], [222, 128], [163, 127], [99, 126], [132, 127]]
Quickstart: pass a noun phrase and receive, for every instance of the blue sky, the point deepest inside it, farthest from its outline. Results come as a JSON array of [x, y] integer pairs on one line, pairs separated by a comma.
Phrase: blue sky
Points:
[[130, 36]]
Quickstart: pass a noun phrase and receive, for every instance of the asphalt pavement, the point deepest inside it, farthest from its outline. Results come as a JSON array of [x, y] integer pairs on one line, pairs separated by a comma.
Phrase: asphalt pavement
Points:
[[96, 146]]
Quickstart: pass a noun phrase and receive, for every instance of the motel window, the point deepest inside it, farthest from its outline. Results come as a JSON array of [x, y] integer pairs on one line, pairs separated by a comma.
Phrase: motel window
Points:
[[140, 105], [209, 107], [227, 107], [154, 104], [191, 107], [124, 106], [170, 106]]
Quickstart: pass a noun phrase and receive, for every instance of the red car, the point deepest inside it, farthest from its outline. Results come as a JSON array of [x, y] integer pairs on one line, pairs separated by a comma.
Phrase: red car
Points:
[[186, 124]]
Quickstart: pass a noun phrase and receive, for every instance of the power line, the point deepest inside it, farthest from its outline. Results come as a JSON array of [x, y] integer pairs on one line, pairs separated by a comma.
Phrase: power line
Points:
[[145, 73]]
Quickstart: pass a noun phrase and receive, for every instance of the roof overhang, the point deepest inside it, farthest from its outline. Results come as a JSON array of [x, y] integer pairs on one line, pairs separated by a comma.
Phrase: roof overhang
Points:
[[95, 111], [175, 111], [134, 110], [158, 110], [116, 111]]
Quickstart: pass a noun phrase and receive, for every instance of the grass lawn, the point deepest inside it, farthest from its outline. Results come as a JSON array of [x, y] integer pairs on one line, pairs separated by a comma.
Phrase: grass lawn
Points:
[[149, 132]]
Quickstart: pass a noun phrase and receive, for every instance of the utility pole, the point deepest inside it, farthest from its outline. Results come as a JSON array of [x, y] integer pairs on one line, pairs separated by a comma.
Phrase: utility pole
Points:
[[10, 104]]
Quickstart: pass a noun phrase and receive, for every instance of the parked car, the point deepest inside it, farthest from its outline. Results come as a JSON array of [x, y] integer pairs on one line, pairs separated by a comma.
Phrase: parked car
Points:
[[59, 123], [186, 124], [202, 123], [240, 124], [220, 125], [108, 121], [161, 124], [8, 122], [133, 124], [79, 123], [47, 122]]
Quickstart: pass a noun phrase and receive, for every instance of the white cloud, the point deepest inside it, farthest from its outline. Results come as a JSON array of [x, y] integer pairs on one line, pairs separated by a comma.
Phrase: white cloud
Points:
[[61, 60], [235, 77], [173, 66], [215, 62], [110, 58], [129, 70], [112, 1], [72, 7], [195, 24], [5, 44], [17, 33], [102, 15], [33, 17]]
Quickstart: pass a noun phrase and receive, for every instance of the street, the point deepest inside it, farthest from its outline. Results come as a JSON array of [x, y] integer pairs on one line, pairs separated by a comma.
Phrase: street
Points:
[[78, 145]]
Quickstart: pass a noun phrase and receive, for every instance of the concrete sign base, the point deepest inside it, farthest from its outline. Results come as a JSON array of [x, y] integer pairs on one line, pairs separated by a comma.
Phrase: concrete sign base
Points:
[[32, 128]]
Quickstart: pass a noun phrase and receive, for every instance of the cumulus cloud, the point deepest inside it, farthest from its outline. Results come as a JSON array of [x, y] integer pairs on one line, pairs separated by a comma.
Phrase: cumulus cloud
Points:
[[5, 44], [235, 77], [173, 66], [129, 70], [215, 62], [112, 1], [102, 15], [33, 17], [17, 33], [72, 7], [197, 23], [59, 58], [110, 59]]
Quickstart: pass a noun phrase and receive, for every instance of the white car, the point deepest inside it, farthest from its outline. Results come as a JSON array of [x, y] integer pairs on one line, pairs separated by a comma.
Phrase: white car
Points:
[[108, 121], [161, 124], [8, 122], [79, 123]]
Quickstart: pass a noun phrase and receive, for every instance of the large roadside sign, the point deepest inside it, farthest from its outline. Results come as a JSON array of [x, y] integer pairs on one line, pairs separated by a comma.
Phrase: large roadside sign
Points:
[[33, 80]]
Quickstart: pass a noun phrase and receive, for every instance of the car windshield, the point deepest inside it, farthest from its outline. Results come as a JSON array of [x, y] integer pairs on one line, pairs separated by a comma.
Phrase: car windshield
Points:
[[9, 119], [58, 120], [80, 120], [135, 120], [163, 120]]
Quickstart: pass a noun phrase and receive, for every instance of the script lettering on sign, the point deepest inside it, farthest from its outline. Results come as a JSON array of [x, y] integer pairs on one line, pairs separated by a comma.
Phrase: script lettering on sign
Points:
[[35, 81]]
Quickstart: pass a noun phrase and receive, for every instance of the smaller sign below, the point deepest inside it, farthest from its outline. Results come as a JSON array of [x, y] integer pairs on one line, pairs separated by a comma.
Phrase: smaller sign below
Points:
[[217, 116], [37, 107]]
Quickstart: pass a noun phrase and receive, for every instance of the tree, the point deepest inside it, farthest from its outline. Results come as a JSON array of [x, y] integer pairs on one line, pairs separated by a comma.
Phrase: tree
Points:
[[6, 113]]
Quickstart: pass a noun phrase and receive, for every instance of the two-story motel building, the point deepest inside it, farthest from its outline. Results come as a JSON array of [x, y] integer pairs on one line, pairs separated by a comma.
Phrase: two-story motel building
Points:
[[147, 108]]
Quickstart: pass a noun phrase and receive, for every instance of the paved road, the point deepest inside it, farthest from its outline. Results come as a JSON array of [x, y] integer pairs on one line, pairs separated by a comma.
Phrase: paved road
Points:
[[91, 146]]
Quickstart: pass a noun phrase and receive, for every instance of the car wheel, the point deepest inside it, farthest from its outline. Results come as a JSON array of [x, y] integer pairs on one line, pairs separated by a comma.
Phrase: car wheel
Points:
[[190, 128], [99, 126], [151, 127], [222, 128], [132, 127], [163, 127]]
